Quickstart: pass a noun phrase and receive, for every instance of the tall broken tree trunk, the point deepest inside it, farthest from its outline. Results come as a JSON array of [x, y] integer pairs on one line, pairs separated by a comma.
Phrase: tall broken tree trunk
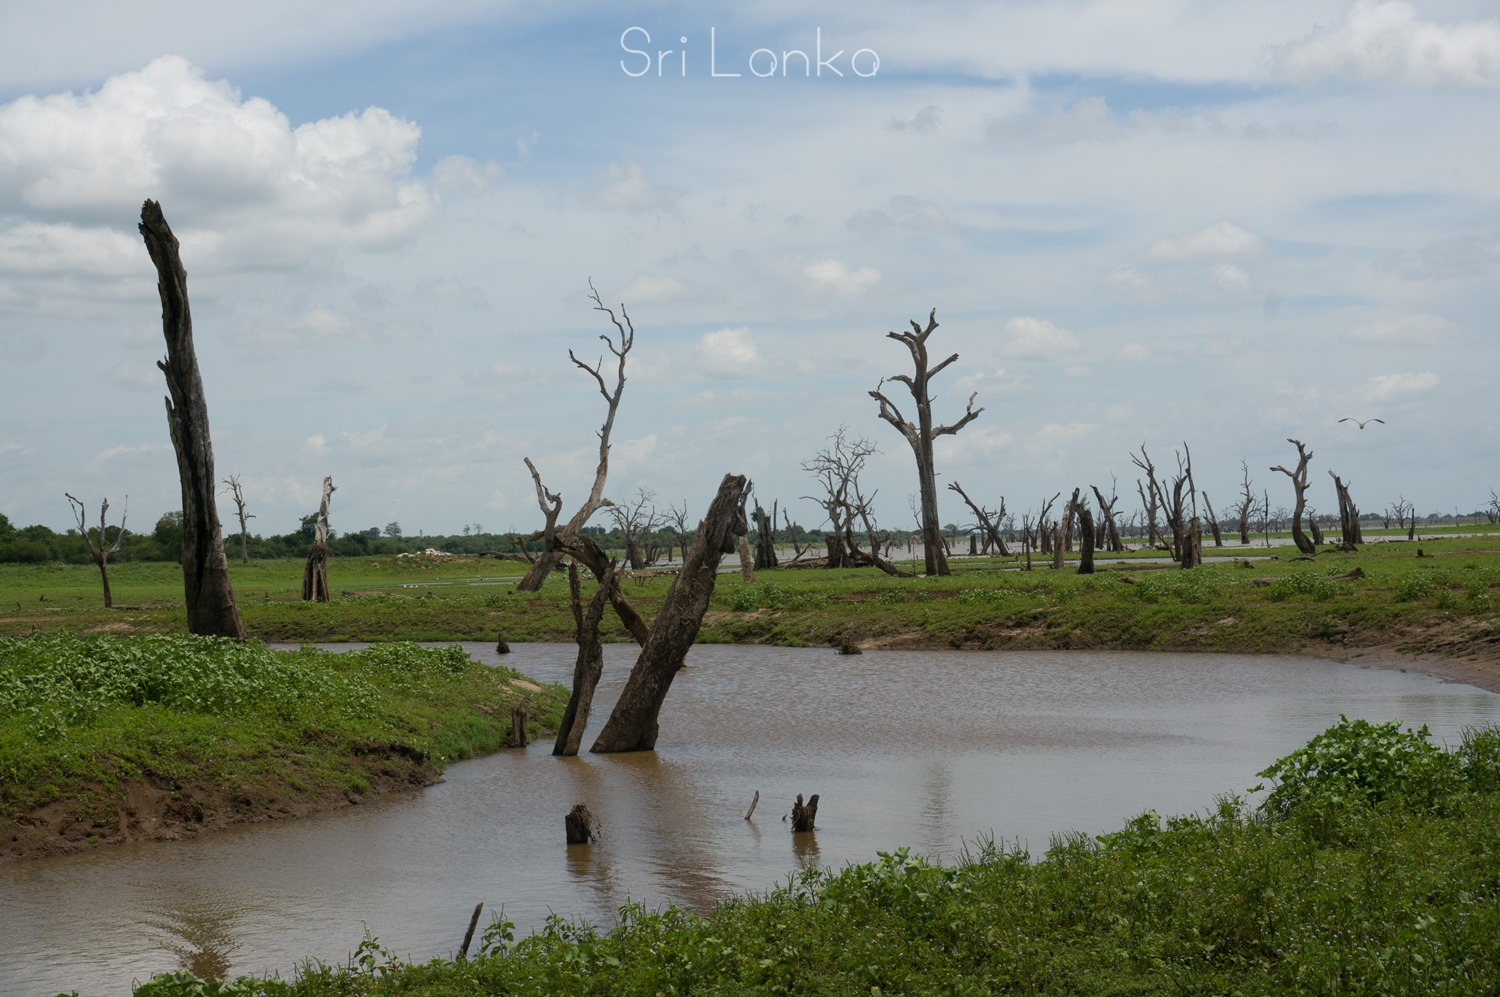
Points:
[[1348, 515], [1086, 534], [1299, 485], [633, 724], [1112, 528], [207, 592], [315, 571], [765, 538], [590, 664]]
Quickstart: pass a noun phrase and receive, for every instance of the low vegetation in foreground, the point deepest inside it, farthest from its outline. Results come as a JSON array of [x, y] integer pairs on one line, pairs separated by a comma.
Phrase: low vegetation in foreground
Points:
[[106, 738], [1368, 868]]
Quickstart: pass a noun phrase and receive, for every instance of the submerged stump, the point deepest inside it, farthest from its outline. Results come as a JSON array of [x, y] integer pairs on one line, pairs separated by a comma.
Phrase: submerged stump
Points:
[[804, 816], [581, 825]]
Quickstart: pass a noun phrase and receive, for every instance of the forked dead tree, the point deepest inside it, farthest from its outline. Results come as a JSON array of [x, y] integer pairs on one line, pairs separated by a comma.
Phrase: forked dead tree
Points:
[[552, 555], [233, 481], [205, 571], [921, 433], [633, 724], [315, 571], [837, 468], [989, 522], [1246, 505], [101, 550], [1348, 516], [1299, 485], [590, 664], [1107, 511]]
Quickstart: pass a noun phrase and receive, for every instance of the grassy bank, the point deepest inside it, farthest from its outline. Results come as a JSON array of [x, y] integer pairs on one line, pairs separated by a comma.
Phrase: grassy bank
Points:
[[1368, 870], [1441, 602], [107, 739]]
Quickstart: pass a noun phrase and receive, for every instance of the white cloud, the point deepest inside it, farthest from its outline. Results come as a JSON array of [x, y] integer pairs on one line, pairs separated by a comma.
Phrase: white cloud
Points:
[[1230, 279], [1401, 387], [451, 290], [729, 353], [1088, 120], [1028, 338], [1132, 353], [646, 288], [626, 188], [316, 445], [834, 276], [466, 175], [1221, 240], [1385, 40], [1409, 330], [901, 211]]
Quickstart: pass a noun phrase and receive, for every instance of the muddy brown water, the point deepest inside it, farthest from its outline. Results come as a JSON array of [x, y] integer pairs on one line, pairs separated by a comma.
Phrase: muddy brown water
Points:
[[927, 749]]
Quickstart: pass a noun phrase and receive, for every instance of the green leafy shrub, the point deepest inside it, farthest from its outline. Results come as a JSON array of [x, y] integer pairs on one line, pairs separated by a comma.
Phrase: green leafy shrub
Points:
[[1315, 587], [1415, 586], [1354, 762]]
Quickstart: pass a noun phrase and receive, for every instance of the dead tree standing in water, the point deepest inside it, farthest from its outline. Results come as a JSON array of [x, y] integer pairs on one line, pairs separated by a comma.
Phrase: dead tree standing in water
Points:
[[921, 433], [1299, 485], [100, 552], [233, 481], [551, 555], [315, 571], [633, 724], [590, 664], [205, 571]]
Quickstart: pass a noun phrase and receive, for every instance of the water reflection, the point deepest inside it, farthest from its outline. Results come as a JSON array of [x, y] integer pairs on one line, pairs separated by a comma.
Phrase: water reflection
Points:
[[1013, 747]]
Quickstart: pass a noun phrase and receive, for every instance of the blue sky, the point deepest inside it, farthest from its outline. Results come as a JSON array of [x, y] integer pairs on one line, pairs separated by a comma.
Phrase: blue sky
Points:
[[1140, 221]]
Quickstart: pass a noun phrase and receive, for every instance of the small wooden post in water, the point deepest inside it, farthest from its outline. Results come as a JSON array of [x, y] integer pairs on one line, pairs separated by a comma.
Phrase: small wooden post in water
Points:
[[803, 817], [463, 950], [580, 825], [753, 805], [518, 725]]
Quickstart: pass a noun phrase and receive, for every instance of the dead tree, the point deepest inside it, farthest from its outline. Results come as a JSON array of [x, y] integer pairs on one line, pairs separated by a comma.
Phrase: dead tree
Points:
[[207, 592], [1247, 503], [1086, 533], [921, 433], [1299, 485], [1191, 527], [1151, 496], [100, 551], [1065, 532], [1492, 511], [1313, 527], [989, 522], [638, 526], [1348, 516], [837, 468], [590, 664], [679, 518], [551, 555], [793, 531], [765, 538], [633, 724], [315, 571], [804, 816], [233, 481], [1107, 513]]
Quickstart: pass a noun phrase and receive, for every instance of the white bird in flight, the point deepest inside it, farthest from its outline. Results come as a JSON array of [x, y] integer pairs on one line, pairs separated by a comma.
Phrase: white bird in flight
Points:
[[1362, 425]]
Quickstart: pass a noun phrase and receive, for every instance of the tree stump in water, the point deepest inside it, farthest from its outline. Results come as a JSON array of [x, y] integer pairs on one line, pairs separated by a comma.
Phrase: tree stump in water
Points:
[[847, 646], [803, 817], [518, 717], [501, 647], [581, 825]]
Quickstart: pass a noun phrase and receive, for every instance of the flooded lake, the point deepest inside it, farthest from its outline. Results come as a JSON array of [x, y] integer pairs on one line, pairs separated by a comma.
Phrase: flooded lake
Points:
[[927, 749]]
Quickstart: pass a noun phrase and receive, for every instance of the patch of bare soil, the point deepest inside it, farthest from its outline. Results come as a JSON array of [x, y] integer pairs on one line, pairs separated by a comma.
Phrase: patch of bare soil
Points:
[[159, 809]]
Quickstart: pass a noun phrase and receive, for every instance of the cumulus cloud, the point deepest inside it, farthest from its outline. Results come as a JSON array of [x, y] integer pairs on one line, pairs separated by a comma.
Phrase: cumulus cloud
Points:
[[729, 353], [1221, 240], [1230, 279], [1027, 338], [232, 169], [1132, 353], [1409, 330], [922, 122], [626, 188], [1131, 281], [466, 175], [1385, 40], [1401, 387], [833, 276]]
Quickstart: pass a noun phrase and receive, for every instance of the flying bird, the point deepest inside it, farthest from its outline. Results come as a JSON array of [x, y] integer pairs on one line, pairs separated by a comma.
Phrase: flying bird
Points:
[[1362, 425]]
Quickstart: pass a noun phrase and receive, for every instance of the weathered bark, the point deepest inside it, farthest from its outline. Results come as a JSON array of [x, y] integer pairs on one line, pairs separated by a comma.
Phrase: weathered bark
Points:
[[518, 717], [1313, 527], [921, 433], [1112, 529], [1065, 533], [100, 552], [551, 556], [1086, 532], [765, 538], [586, 552], [1247, 503], [590, 664], [207, 591], [580, 825], [804, 816], [1213, 522], [1299, 485], [747, 563], [633, 724], [1348, 516], [315, 571], [233, 481], [988, 523]]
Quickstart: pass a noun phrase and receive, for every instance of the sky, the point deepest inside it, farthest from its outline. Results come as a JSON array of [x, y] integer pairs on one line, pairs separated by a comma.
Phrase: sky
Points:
[[1140, 222]]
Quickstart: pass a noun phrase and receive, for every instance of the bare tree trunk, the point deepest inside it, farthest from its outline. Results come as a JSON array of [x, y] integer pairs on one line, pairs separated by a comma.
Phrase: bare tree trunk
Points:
[[233, 481], [1086, 532], [765, 538], [1213, 522], [747, 563], [100, 552], [633, 724], [1299, 485], [1348, 516], [1247, 504], [551, 556], [1107, 510], [205, 571], [921, 433], [590, 664], [315, 571]]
